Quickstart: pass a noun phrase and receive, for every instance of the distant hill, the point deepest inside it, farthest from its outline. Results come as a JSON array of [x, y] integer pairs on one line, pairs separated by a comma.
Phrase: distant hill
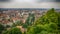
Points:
[[4, 0], [25, 9]]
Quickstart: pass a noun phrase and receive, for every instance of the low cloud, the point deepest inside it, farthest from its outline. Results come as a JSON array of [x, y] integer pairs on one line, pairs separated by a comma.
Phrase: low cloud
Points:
[[30, 4]]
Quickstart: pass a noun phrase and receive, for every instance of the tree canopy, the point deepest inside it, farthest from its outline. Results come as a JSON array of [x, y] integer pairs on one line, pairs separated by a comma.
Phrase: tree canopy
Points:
[[46, 24], [13, 31]]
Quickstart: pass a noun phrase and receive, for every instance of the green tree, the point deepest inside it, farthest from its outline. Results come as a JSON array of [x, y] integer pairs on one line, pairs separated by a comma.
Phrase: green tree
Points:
[[50, 16], [13, 31], [46, 24], [1, 28], [59, 22], [17, 23], [30, 19]]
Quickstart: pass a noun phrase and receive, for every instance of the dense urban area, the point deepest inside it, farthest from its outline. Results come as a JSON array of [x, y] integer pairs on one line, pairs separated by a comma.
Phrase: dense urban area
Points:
[[30, 21]]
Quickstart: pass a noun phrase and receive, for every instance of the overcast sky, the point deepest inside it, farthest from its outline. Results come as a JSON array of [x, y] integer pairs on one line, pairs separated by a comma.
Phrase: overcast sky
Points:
[[31, 4]]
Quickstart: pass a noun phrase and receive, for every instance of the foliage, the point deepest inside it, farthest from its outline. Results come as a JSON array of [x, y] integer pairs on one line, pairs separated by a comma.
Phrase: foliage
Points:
[[1, 28], [30, 20], [46, 24], [17, 23], [50, 16], [13, 31]]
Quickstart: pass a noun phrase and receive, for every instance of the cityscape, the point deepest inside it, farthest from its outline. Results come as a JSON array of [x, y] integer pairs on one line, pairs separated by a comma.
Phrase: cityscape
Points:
[[29, 16], [25, 19], [11, 16]]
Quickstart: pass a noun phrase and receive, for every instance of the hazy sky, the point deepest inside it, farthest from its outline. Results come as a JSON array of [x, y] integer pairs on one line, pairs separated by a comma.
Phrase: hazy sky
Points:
[[31, 4]]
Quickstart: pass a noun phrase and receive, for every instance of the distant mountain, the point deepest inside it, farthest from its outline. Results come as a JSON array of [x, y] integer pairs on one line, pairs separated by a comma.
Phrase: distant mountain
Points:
[[4, 0], [27, 8]]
